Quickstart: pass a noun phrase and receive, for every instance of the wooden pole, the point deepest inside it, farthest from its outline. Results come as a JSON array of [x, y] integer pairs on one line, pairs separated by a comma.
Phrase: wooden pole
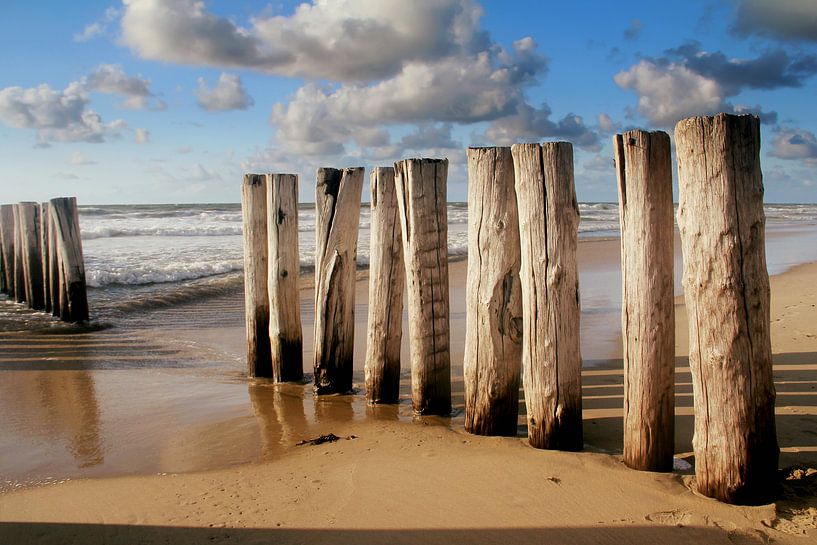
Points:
[[387, 279], [45, 222], [421, 199], [726, 288], [54, 266], [74, 298], [7, 243], [286, 337], [493, 330], [31, 240], [644, 171], [256, 297], [19, 274], [548, 232], [337, 210]]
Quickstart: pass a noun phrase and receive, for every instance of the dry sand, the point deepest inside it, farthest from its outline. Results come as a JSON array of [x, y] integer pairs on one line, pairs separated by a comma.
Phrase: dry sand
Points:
[[394, 480]]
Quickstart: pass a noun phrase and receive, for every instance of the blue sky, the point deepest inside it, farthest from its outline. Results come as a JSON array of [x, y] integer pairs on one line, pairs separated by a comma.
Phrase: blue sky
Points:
[[172, 101]]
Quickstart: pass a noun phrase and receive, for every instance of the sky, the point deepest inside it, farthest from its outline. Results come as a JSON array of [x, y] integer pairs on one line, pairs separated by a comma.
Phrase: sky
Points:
[[172, 101]]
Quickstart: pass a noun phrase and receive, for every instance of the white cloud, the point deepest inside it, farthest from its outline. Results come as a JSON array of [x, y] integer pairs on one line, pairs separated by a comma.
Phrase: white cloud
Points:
[[97, 28], [792, 143], [228, 94], [78, 158], [56, 116], [786, 19], [606, 124], [141, 136], [111, 79]]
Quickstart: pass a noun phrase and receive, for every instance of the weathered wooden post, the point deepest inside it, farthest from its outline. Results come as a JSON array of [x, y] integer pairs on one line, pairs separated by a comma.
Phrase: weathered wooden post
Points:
[[74, 296], [256, 297], [726, 288], [548, 232], [45, 216], [286, 337], [337, 215], [7, 242], [493, 330], [387, 278], [644, 171], [54, 266], [19, 274], [31, 239], [421, 186]]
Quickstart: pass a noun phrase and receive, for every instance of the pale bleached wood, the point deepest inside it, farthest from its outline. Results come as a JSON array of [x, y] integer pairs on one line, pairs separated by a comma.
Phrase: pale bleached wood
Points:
[[548, 231], [7, 246], [19, 274], [54, 267], [30, 239], [286, 337], [45, 223], [644, 171], [337, 217], [726, 288], [421, 186], [74, 296], [256, 297], [387, 278], [493, 327]]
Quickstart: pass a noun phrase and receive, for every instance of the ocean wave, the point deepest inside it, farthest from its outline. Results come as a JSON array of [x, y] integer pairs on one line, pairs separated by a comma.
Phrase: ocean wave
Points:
[[159, 273], [192, 230]]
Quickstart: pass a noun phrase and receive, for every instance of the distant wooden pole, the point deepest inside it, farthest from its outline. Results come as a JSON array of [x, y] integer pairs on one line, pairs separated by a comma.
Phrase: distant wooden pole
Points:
[[54, 266], [286, 337], [337, 207], [726, 288], [74, 298], [31, 240], [7, 244], [387, 279], [19, 274], [256, 297], [644, 171], [548, 231], [421, 199], [493, 326], [45, 222]]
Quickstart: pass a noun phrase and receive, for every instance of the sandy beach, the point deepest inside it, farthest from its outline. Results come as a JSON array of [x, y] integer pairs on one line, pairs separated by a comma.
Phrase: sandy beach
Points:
[[153, 435]]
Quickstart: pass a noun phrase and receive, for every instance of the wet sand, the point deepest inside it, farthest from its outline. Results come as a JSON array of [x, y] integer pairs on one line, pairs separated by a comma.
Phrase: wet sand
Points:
[[164, 440]]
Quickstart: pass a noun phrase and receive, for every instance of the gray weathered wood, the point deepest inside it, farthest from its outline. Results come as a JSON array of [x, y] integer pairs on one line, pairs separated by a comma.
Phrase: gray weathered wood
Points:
[[337, 216], [286, 337], [19, 274], [31, 241], [256, 297], [55, 274], [548, 230], [726, 288], [421, 186], [74, 296], [45, 222], [387, 279], [493, 332], [7, 243], [644, 171]]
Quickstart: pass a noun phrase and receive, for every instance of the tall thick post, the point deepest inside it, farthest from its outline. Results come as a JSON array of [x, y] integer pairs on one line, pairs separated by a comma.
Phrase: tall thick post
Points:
[[726, 288], [19, 271], [421, 199], [31, 241], [644, 171], [45, 222], [387, 278], [74, 296], [7, 245], [493, 327], [286, 337], [548, 232], [54, 266], [337, 211], [256, 297]]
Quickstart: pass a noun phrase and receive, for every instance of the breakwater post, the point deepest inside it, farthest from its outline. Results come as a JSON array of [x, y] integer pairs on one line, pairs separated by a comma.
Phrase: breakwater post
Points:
[[493, 333], [45, 222], [726, 288], [548, 232], [284, 266], [7, 247], [73, 289], [644, 172], [387, 278], [31, 241], [337, 215]]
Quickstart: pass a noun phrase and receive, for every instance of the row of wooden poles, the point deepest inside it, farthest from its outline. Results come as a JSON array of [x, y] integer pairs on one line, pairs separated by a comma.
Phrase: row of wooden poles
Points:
[[523, 294], [41, 262]]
